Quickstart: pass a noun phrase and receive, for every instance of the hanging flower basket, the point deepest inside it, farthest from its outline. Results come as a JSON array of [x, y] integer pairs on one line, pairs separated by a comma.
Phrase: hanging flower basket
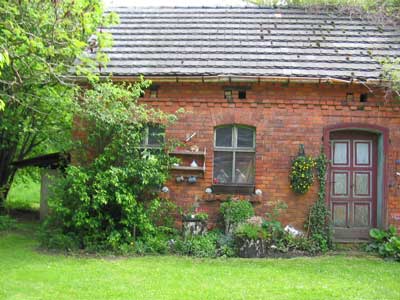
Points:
[[302, 173]]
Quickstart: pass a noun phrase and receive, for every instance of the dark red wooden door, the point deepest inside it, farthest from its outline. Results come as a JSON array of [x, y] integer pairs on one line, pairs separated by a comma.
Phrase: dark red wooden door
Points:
[[352, 188]]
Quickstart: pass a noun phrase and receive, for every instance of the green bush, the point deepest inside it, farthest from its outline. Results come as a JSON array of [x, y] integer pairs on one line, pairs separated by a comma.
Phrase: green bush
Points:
[[60, 241], [6, 223], [299, 243], [251, 231], [156, 245], [162, 212], [235, 212], [271, 223], [197, 245], [225, 245], [105, 203], [385, 242]]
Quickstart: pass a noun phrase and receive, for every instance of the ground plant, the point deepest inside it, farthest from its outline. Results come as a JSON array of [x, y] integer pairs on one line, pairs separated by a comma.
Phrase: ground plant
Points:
[[385, 242], [235, 212]]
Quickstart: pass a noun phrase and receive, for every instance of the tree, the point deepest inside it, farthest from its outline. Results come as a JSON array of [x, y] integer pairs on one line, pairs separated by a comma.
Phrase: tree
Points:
[[39, 42], [4, 60]]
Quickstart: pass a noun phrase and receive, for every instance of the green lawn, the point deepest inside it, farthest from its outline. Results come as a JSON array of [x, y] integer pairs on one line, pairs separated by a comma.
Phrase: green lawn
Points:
[[27, 274], [24, 195]]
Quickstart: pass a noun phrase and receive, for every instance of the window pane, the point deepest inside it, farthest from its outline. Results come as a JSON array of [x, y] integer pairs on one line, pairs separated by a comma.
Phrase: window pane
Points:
[[156, 136], [223, 167], [362, 153], [244, 167], [223, 137], [245, 137], [340, 153]]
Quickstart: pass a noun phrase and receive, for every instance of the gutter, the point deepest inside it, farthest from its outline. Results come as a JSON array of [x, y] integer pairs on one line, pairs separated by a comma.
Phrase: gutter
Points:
[[237, 79]]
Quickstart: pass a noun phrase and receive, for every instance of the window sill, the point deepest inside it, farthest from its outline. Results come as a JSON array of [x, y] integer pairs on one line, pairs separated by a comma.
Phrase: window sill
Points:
[[241, 189]]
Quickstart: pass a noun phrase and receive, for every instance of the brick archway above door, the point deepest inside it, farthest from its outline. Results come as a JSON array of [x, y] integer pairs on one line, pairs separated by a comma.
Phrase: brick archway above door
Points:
[[356, 189]]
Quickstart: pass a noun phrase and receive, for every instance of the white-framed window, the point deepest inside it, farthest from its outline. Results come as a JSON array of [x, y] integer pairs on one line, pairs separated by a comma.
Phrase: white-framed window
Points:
[[154, 136], [234, 155]]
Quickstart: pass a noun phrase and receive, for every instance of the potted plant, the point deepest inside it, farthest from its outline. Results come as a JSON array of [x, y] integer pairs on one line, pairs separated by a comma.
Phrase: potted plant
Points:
[[251, 238], [194, 222]]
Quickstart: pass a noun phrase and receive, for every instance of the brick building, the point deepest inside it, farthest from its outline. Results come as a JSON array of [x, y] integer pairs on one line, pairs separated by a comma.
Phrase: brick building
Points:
[[255, 84]]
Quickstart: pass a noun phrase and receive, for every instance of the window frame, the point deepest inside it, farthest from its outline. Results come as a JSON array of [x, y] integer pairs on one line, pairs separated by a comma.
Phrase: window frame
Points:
[[145, 142], [235, 149]]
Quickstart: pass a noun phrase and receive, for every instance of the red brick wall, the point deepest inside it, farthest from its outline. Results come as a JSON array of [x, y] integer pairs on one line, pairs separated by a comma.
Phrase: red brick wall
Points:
[[285, 115]]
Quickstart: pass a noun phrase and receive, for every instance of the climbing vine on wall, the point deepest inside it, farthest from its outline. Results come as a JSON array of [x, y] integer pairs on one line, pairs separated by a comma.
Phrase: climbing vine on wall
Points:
[[319, 223]]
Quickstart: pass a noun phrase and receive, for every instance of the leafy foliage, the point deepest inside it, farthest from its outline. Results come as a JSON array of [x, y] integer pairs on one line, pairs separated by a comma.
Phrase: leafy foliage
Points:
[[197, 245], [277, 239], [271, 223], [102, 204], [39, 42], [251, 231], [302, 175], [235, 212], [386, 242], [319, 224]]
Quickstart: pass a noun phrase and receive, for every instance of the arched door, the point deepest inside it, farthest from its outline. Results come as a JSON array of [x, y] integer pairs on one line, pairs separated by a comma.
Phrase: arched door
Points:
[[353, 183]]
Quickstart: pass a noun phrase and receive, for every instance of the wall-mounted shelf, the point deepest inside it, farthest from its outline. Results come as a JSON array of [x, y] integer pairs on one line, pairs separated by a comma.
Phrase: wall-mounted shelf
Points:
[[185, 168], [189, 153], [187, 156]]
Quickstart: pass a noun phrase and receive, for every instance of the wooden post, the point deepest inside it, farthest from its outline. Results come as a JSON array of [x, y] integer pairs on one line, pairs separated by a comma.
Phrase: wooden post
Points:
[[48, 178]]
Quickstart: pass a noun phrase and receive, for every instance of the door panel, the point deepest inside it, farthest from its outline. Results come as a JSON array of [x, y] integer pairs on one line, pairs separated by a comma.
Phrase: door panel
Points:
[[353, 183], [362, 183], [340, 186], [362, 154], [362, 214], [340, 151], [339, 214]]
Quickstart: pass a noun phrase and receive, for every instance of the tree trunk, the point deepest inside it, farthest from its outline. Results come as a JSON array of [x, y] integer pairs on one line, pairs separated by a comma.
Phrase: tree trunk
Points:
[[7, 172], [6, 179]]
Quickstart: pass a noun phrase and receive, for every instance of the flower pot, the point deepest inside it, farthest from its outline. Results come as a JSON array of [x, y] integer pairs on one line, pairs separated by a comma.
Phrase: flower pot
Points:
[[193, 226], [249, 248]]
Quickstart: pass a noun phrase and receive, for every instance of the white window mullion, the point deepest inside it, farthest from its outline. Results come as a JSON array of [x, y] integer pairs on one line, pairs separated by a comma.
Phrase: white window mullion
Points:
[[233, 167]]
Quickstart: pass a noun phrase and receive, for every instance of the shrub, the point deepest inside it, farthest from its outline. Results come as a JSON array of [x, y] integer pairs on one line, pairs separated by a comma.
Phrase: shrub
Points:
[[158, 244], [54, 238], [235, 212], [385, 242], [197, 245], [251, 231], [101, 203], [225, 245], [299, 243], [6, 223], [162, 212], [271, 223]]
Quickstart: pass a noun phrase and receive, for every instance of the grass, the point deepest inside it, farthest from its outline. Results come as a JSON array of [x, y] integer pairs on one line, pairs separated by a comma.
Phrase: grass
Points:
[[26, 274], [24, 195]]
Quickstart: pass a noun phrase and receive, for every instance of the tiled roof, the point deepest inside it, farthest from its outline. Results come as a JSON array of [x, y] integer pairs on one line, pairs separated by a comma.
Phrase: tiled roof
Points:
[[246, 42]]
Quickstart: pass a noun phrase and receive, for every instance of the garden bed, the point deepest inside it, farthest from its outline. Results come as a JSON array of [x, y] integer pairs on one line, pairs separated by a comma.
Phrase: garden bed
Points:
[[259, 248]]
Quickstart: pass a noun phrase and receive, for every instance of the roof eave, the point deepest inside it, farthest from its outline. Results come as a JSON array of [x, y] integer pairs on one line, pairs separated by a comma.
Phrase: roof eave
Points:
[[235, 78]]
